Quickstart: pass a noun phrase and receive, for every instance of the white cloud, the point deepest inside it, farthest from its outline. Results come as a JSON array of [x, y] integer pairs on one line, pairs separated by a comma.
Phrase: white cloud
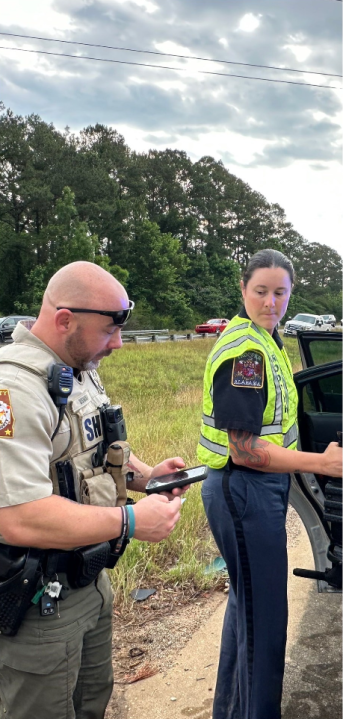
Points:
[[301, 52], [249, 22], [150, 7], [39, 15], [173, 48]]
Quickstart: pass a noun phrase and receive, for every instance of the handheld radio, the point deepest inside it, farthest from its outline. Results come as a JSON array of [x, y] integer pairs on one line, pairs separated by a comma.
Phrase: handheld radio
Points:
[[60, 386]]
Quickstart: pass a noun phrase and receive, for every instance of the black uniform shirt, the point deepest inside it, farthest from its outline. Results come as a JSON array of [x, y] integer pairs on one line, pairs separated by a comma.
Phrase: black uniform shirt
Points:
[[239, 407]]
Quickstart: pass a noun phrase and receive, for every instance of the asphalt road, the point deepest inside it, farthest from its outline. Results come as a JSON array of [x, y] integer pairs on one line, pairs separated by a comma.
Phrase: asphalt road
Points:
[[312, 683]]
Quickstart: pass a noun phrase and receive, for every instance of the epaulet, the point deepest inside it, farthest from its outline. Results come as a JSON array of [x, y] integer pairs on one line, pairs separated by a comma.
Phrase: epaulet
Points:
[[24, 366]]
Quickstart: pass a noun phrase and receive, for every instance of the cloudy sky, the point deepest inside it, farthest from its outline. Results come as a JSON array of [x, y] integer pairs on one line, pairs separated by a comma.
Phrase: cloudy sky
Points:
[[283, 139]]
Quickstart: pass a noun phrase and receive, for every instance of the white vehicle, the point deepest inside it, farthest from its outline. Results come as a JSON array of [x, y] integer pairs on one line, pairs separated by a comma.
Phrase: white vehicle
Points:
[[329, 320], [304, 321]]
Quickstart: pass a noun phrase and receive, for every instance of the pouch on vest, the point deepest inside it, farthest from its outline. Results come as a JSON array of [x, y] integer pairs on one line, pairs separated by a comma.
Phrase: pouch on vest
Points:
[[98, 488], [118, 455]]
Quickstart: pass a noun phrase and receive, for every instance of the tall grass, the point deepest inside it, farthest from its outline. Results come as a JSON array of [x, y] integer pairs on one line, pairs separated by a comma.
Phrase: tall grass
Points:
[[159, 386]]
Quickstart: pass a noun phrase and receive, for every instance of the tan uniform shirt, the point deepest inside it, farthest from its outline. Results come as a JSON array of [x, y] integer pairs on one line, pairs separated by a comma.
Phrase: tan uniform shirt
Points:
[[28, 418]]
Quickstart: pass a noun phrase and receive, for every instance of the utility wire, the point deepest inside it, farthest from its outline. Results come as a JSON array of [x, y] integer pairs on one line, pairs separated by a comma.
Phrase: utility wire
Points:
[[169, 54], [166, 67]]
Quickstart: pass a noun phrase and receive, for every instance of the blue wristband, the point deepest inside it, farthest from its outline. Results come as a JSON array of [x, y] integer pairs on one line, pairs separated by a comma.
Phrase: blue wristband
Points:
[[132, 521]]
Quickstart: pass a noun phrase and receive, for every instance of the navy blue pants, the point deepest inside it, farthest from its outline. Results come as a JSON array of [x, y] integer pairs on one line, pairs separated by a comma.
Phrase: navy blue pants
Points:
[[246, 511]]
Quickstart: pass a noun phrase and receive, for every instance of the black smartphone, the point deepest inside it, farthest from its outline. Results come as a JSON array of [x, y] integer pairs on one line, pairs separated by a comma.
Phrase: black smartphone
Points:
[[167, 482]]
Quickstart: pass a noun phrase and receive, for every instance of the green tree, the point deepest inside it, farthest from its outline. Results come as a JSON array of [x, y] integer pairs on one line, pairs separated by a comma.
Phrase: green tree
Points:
[[65, 239], [156, 267]]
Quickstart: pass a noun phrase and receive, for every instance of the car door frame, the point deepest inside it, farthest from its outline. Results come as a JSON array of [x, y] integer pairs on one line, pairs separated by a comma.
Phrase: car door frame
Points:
[[306, 495]]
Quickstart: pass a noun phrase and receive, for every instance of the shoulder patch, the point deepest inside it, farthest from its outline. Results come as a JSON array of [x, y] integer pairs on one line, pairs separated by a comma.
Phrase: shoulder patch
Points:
[[6, 415], [248, 370]]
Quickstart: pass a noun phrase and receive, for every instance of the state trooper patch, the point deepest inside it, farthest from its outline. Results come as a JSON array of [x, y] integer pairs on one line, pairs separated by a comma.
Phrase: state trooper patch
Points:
[[248, 370], [6, 415]]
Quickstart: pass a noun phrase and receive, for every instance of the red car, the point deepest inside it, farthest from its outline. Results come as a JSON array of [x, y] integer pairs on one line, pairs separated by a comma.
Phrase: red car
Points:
[[212, 326]]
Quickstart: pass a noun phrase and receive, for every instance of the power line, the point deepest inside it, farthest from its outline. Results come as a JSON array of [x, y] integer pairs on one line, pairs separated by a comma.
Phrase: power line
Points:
[[169, 54], [166, 67]]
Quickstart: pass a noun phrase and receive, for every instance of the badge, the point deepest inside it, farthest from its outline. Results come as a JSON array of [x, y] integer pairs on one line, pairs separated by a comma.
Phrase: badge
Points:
[[6, 415], [96, 380], [248, 370]]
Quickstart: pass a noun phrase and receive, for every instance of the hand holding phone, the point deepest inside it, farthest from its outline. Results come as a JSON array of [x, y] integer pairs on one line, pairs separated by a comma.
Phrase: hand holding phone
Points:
[[167, 482]]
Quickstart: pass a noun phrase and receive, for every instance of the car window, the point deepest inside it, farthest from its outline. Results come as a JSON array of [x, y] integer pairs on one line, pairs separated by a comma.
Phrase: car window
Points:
[[324, 394], [305, 318], [325, 351]]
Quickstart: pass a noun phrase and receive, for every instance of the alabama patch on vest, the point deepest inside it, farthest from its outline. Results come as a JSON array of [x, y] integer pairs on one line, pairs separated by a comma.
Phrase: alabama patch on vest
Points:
[[248, 370], [6, 415]]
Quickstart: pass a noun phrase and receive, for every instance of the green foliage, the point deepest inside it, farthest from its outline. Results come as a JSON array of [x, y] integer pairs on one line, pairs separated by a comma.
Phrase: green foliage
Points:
[[177, 234], [118, 272], [65, 239]]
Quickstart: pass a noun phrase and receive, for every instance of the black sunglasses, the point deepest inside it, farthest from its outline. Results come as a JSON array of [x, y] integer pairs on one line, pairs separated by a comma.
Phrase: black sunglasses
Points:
[[120, 317]]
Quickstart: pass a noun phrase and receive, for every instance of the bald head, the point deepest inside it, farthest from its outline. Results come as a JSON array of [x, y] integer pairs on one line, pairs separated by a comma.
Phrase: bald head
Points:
[[81, 339], [83, 284]]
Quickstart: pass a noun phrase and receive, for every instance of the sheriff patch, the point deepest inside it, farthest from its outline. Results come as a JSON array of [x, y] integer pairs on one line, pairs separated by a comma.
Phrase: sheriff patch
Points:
[[6, 415], [248, 370]]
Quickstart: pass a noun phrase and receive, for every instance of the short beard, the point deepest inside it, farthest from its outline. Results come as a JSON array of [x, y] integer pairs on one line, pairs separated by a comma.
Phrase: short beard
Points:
[[76, 348]]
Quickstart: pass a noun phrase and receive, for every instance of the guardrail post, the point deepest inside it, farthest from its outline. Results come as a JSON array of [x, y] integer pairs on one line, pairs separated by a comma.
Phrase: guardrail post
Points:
[[189, 336], [172, 338]]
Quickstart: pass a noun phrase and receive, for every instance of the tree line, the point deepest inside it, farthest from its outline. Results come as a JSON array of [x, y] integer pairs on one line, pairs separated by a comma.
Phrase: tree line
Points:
[[176, 233]]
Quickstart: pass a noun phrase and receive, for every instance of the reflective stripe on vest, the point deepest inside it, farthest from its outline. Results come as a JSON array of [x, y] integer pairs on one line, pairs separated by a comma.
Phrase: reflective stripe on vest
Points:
[[279, 418]]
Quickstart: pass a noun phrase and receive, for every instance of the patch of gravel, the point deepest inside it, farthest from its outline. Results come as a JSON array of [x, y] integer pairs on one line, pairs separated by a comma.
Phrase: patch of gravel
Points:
[[293, 527], [150, 637], [158, 630]]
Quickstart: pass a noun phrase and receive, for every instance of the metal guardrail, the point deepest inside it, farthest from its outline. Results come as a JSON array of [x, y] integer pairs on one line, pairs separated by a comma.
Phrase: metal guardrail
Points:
[[138, 336]]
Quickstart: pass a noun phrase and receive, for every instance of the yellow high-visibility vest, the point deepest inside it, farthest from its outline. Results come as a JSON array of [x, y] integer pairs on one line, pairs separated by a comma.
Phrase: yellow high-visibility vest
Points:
[[279, 423]]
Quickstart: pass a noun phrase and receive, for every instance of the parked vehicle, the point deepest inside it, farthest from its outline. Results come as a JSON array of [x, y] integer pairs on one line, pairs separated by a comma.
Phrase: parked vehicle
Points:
[[318, 499], [212, 326], [7, 325], [329, 320], [304, 321]]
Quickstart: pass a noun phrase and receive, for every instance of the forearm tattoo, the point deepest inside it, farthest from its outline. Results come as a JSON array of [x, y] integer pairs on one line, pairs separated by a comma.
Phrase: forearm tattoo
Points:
[[137, 474], [248, 449]]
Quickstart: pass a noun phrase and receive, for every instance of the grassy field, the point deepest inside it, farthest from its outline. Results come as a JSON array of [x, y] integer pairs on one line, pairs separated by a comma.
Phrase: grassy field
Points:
[[160, 389]]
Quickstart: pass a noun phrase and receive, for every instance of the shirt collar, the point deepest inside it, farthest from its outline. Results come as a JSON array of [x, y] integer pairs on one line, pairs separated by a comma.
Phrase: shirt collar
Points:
[[276, 337], [22, 335]]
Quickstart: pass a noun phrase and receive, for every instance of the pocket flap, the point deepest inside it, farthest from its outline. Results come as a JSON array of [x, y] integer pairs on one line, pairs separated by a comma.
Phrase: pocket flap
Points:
[[22, 657]]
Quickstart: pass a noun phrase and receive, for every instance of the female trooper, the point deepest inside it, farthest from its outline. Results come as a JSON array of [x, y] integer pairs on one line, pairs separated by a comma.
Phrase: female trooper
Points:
[[248, 440]]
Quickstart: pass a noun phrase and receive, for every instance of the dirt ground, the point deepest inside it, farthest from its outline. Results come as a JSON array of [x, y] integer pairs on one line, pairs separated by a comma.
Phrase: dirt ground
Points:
[[156, 641]]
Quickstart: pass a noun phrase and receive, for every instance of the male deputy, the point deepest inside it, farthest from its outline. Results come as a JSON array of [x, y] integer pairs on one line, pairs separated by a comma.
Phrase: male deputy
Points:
[[58, 663]]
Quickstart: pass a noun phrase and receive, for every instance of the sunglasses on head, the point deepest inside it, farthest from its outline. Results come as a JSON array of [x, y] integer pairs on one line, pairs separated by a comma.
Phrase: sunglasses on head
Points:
[[120, 317]]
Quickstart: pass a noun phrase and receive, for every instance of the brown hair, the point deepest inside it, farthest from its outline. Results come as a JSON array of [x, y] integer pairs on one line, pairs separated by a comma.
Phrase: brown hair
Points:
[[267, 258]]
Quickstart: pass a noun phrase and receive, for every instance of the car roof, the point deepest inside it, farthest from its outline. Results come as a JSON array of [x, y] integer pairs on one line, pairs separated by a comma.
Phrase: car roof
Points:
[[16, 317], [307, 314]]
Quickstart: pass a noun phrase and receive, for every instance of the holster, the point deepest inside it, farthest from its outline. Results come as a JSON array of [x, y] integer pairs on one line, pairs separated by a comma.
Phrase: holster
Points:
[[87, 563], [118, 455], [17, 590]]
